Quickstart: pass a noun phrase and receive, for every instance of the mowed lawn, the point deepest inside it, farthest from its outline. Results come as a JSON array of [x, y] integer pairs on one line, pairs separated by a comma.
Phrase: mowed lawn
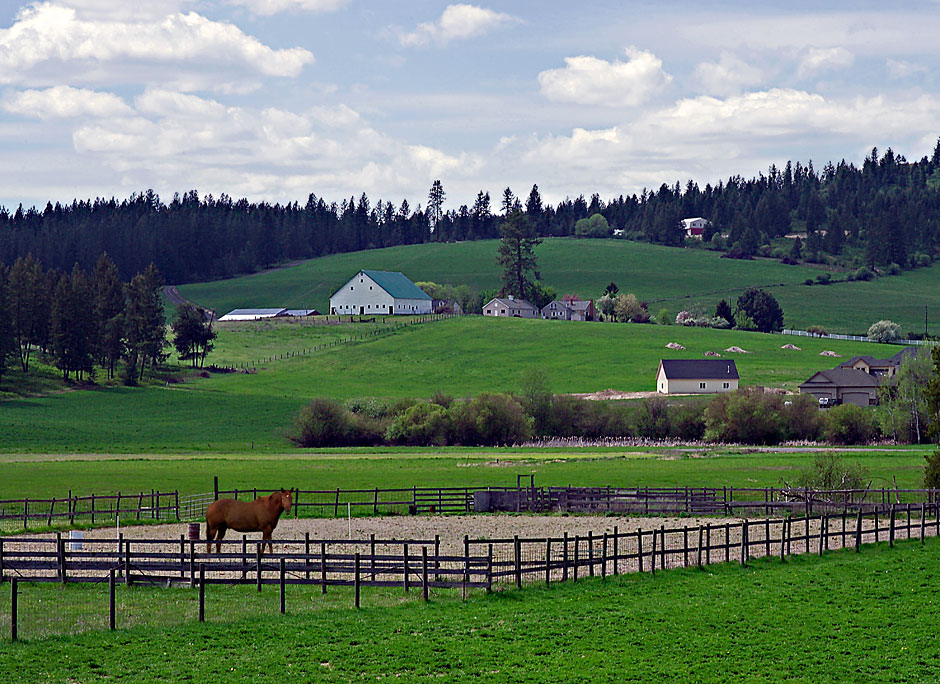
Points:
[[54, 475], [462, 357], [667, 277], [845, 617]]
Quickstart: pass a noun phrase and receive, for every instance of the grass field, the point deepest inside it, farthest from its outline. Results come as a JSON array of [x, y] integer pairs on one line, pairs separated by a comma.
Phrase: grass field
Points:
[[667, 277], [54, 475], [845, 617], [238, 412]]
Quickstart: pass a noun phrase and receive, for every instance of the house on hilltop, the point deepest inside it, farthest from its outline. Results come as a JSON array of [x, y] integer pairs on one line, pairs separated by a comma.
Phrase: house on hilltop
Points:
[[694, 227], [880, 367], [577, 310], [696, 376], [510, 307], [381, 293]]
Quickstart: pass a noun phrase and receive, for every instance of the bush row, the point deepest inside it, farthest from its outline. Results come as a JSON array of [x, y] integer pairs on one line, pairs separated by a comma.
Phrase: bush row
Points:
[[748, 416]]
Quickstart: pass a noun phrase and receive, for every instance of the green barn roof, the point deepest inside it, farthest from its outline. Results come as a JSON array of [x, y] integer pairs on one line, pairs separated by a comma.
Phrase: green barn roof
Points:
[[397, 284]]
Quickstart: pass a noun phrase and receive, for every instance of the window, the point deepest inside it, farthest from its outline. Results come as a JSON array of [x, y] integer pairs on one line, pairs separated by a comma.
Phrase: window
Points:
[[701, 385], [725, 385]]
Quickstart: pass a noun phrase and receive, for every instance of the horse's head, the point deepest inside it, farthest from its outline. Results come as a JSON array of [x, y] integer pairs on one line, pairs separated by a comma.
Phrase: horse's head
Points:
[[287, 498]]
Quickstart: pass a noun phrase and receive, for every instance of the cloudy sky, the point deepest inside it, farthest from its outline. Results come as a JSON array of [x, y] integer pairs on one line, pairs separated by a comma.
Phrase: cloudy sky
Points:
[[275, 99]]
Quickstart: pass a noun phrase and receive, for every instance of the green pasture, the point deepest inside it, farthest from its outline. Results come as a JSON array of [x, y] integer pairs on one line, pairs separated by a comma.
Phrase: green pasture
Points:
[[464, 356], [845, 617], [667, 277], [53, 475]]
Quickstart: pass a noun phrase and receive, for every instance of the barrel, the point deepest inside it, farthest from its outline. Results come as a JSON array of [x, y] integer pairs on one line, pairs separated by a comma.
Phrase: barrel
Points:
[[194, 530], [75, 540]]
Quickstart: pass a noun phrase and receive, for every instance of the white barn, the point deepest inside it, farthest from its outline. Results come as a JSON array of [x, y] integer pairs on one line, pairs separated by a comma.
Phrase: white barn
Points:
[[379, 292], [252, 314]]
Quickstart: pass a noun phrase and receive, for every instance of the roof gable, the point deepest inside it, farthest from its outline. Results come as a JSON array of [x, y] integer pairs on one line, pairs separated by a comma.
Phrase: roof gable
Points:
[[843, 377], [698, 369], [397, 284]]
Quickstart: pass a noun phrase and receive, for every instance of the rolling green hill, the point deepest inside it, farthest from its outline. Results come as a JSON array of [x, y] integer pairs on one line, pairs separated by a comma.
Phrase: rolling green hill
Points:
[[667, 277], [461, 356]]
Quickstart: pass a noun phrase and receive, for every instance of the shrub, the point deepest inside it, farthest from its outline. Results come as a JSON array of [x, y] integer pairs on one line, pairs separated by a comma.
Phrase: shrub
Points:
[[817, 330], [490, 420], [536, 399], [824, 279], [884, 331], [762, 308], [421, 425], [849, 424], [747, 415], [688, 422], [831, 471], [803, 418], [932, 470], [893, 270], [664, 317], [326, 423], [863, 274], [920, 260], [373, 407], [652, 419], [684, 318], [442, 399]]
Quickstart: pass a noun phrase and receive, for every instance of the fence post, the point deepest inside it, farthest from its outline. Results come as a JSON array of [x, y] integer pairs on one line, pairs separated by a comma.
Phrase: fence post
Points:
[[639, 548], [71, 509], [2, 576], [283, 587], [405, 556], [127, 563], [202, 592], [577, 540], [564, 559], [699, 559], [111, 611], [323, 567], [858, 531], [489, 569], [176, 497], [923, 515], [13, 607], [744, 543], [823, 519], [653, 555], [616, 550], [356, 579], [517, 552], [424, 573], [590, 553], [604, 557], [60, 554], [548, 561], [891, 528], [783, 536], [466, 555], [727, 542], [258, 566], [685, 541], [307, 555]]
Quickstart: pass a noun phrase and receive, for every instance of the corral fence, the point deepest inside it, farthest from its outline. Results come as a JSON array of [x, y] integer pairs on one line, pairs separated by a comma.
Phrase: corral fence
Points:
[[17, 514], [419, 564]]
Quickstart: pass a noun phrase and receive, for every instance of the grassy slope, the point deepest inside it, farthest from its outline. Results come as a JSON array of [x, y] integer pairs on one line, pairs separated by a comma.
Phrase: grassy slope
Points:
[[843, 618], [459, 356], [585, 267]]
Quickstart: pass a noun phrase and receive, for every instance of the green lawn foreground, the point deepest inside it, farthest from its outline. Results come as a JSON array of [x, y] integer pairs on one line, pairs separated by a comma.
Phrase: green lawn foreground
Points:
[[845, 617]]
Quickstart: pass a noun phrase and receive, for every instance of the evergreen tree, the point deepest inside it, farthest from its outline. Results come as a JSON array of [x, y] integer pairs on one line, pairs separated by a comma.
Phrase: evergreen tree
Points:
[[516, 255], [26, 293], [435, 204], [73, 325], [193, 335], [109, 313], [7, 339], [145, 324], [723, 310]]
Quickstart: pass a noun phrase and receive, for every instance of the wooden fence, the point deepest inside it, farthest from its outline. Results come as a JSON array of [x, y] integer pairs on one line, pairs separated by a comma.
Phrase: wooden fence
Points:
[[726, 501], [419, 565]]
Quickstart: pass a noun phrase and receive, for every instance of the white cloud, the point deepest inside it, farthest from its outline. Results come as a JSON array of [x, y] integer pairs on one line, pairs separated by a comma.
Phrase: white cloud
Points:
[[728, 76], [456, 23], [593, 81], [824, 59], [50, 44], [899, 68], [269, 7], [65, 102]]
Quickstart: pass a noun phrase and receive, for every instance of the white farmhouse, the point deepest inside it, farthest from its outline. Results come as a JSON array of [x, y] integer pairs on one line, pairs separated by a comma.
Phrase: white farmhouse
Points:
[[694, 227], [696, 376], [379, 292]]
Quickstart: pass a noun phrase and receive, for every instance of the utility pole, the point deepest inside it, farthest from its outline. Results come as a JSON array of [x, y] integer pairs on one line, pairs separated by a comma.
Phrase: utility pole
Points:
[[925, 322]]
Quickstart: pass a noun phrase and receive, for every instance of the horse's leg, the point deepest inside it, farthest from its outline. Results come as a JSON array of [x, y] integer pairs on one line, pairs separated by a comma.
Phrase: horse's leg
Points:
[[210, 535], [266, 537], [218, 543]]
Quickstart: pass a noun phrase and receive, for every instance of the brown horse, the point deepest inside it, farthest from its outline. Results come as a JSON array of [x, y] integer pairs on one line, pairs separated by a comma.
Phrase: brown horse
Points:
[[260, 515]]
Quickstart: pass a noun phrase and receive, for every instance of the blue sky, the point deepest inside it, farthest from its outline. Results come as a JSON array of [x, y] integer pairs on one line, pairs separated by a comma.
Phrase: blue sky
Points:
[[275, 99]]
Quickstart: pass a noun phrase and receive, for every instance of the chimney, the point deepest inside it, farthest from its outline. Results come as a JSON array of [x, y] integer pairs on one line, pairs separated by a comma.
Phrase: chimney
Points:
[[511, 298]]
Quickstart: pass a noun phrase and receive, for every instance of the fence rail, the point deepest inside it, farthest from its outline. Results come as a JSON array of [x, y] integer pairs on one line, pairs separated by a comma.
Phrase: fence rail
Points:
[[854, 338], [17, 514], [419, 565]]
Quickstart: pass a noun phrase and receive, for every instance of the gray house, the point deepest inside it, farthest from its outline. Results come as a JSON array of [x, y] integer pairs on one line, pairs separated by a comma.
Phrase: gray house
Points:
[[843, 386], [510, 307], [577, 310]]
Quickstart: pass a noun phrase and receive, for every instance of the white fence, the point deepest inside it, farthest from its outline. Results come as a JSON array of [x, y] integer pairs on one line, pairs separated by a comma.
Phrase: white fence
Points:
[[853, 338]]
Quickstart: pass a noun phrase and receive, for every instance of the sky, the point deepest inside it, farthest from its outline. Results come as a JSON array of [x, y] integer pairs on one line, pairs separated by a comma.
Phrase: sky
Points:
[[276, 99]]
